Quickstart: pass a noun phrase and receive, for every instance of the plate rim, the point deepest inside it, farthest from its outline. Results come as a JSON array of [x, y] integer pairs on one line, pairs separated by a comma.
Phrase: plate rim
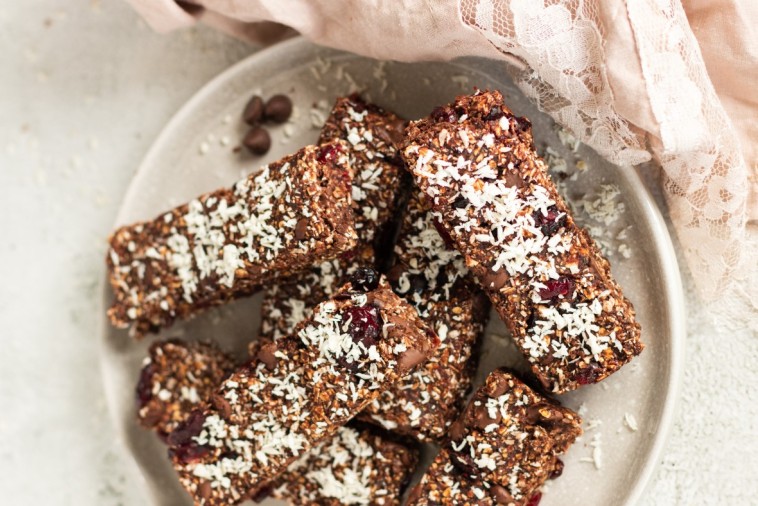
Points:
[[672, 282]]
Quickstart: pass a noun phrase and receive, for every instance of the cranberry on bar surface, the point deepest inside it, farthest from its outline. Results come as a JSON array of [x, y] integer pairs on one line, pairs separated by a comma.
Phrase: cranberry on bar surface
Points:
[[545, 276], [299, 390], [434, 279], [282, 219], [370, 134], [502, 449], [355, 467], [176, 378]]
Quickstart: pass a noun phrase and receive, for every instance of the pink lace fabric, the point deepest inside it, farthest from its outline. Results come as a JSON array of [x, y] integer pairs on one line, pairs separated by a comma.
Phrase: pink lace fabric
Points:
[[638, 80]]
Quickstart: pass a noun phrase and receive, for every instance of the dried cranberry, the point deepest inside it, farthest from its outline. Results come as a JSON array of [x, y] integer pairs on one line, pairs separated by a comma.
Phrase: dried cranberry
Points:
[[418, 284], [328, 153], [557, 470], [589, 374], [357, 103], [554, 288], [445, 235], [444, 114], [535, 499], [189, 453], [551, 222], [185, 431], [364, 279], [365, 324], [495, 113], [144, 389]]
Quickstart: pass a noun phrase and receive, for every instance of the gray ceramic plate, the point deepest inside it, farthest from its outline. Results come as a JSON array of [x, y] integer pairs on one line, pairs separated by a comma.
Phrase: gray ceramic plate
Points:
[[627, 416]]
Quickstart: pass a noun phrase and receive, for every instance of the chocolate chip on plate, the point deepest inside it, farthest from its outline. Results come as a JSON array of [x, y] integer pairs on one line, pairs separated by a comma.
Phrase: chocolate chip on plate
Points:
[[257, 141], [278, 108], [253, 112]]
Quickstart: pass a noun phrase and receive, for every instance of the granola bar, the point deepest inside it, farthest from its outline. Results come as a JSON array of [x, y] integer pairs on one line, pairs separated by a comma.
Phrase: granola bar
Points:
[[545, 276], [502, 449], [434, 279], [370, 134], [176, 378], [355, 467], [299, 390], [288, 216]]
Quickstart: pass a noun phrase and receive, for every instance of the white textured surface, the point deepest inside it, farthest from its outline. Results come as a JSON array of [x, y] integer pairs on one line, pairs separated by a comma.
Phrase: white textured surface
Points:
[[84, 88]]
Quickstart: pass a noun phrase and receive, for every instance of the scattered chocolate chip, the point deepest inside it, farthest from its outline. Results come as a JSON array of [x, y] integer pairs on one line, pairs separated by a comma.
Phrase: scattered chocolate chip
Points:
[[460, 203], [189, 453], [301, 229], [253, 112], [278, 108], [266, 354], [495, 113], [257, 141], [501, 495], [364, 279]]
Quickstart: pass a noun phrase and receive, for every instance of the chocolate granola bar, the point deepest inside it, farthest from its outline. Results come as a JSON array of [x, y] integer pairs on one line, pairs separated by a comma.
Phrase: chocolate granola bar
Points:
[[299, 390], [502, 449], [288, 216], [355, 467], [370, 134], [176, 378], [545, 276], [433, 278]]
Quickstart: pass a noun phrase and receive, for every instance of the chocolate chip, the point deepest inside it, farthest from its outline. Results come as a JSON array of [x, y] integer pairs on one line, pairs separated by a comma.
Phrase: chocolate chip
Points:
[[481, 417], [263, 493], [457, 430], [465, 462], [278, 108], [495, 280], [410, 359], [253, 112], [501, 495], [204, 490], [257, 141], [266, 354], [364, 279], [497, 386], [301, 229], [222, 406]]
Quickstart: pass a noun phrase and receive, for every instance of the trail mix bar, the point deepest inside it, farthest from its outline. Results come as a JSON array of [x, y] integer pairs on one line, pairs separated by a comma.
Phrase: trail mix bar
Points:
[[370, 134], [288, 216], [299, 390], [176, 378], [545, 276], [434, 279], [355, 467], [502, 448]]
